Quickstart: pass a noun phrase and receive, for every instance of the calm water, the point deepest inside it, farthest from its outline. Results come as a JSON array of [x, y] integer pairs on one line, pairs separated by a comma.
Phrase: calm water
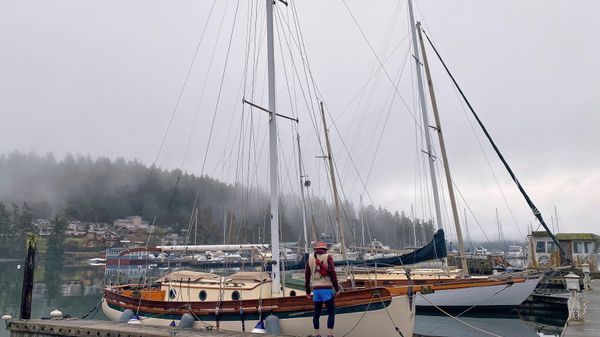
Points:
[[76, 290]]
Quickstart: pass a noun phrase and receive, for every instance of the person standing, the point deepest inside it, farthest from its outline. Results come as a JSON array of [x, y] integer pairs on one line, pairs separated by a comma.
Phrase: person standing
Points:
[[320, 277]]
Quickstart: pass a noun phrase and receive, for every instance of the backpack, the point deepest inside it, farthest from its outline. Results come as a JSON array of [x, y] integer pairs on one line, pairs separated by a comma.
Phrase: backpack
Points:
[[322, 267]]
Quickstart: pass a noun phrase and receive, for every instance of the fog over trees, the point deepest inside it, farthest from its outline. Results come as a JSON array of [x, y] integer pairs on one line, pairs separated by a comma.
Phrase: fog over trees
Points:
[[100, 190]]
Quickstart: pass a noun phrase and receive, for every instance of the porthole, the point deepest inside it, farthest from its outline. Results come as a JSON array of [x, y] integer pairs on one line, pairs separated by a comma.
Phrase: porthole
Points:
[[172, 294], [203, 295], [235, 295], [293, 293]]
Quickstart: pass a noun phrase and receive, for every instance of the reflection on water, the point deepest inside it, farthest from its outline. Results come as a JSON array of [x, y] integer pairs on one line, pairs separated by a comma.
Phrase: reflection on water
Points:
[[72, 290], [75, 290], [504, 324]]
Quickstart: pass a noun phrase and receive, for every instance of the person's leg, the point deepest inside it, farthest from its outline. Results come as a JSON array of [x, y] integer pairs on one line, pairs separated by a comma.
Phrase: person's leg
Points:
[[330, 315], [317, 317]]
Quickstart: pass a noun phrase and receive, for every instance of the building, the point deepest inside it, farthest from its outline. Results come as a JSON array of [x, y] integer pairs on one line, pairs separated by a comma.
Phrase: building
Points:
[[76, 228], [580, 248], [43, 227], [132, 224]]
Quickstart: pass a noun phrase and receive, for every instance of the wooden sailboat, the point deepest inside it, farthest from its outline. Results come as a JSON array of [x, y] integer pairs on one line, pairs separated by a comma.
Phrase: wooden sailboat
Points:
[[241, 301]]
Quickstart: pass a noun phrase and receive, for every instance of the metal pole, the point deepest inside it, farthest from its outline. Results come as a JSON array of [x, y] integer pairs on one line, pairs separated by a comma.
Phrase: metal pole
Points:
[[301, 172], [274, 174], [459, 238], [436, 197], [29, 268]]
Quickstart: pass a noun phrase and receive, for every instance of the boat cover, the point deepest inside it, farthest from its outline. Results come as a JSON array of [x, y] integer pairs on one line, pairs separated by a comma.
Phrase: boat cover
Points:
[[435, 249]]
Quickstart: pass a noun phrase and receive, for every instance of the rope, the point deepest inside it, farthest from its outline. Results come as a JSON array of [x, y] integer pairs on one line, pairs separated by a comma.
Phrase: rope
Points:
[[96, 308], [361, 317], [390, 316], [457, 319]]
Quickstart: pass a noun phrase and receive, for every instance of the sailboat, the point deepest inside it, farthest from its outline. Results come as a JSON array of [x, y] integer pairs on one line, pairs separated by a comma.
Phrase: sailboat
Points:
[[244, 300], [453, 288]]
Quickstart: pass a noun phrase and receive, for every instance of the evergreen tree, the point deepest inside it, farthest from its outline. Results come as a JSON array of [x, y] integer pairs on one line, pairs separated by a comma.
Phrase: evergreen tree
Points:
[[56, 240]]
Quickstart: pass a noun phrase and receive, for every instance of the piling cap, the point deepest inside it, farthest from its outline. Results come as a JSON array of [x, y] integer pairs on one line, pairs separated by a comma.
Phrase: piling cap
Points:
[[320, 245], [56, 314]]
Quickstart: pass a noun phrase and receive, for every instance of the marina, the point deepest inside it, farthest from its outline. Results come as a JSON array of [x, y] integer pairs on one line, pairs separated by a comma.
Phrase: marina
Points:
[[298, 168]]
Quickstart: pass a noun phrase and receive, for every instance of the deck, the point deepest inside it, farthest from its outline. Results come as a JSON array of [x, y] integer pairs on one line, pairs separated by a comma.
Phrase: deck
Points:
[[90, 328], [590, 327]]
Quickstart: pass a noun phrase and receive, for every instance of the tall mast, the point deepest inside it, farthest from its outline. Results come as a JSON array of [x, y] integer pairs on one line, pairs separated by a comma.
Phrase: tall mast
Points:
[[302, 176], [338, 213], [362, 222], [438, 128], [436, 197], [414, 226], [274, 174]]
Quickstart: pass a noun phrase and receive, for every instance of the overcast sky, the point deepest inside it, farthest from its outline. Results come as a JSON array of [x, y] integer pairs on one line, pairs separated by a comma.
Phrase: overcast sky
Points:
[[102, 78]]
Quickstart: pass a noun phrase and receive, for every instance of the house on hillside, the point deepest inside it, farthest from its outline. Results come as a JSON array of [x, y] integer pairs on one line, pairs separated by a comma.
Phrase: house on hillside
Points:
[[106, 239], [580, 248], [132, 224], [76, 228], [43, 227]]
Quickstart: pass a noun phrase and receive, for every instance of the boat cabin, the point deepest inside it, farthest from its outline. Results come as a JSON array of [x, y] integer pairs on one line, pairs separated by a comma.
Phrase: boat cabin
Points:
[[580, 248]]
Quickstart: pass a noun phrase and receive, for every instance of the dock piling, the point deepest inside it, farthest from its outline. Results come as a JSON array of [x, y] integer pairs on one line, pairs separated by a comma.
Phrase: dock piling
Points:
[[29, 268]]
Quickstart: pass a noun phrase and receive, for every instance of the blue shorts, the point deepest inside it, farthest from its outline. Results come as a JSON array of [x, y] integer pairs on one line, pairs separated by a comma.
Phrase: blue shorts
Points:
[[322, 295]]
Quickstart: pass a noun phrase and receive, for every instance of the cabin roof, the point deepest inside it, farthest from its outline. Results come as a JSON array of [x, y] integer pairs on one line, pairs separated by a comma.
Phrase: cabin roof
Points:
[[568, 236], [185, 275], [250, 276]]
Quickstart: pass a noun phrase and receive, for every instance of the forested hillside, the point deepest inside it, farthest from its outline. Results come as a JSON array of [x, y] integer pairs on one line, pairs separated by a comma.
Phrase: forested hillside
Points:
[[101, 190]]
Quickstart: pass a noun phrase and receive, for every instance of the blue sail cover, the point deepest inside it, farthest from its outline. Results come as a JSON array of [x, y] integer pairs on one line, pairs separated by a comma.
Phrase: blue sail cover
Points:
[[435, 249]]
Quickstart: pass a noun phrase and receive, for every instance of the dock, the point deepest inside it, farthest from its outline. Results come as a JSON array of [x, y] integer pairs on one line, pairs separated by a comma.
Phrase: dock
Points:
[[590, 325], [92, 328]]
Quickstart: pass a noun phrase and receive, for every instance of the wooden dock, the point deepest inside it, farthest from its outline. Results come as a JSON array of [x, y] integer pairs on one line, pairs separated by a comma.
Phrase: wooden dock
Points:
[[90, 328], [590, 326]]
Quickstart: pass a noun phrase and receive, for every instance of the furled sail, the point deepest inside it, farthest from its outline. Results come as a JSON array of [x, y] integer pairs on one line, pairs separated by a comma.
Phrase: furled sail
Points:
[[435, 249]]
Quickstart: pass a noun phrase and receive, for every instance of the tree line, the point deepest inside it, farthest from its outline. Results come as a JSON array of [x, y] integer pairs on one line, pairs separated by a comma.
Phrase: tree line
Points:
[[204, 209]]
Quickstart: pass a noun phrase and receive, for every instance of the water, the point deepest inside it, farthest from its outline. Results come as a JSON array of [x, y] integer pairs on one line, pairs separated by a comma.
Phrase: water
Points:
[[508, 325], [76, 290]]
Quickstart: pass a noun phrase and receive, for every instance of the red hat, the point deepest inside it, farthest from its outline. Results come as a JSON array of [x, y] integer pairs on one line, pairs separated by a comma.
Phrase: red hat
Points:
[[320, 245]]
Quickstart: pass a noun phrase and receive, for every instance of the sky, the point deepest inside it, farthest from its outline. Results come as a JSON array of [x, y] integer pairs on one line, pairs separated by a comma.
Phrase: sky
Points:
[[109, 79]]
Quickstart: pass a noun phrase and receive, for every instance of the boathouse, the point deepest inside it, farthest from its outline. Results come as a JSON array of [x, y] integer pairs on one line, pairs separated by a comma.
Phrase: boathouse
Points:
[[579, 247]]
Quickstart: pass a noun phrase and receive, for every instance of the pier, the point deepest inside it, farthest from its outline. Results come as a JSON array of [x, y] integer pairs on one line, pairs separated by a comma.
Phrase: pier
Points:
[[91, 328], [590, 325]]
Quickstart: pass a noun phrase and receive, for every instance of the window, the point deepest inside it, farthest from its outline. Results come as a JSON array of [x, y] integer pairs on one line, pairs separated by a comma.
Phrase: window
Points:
[[202, 295], [552, 247], [293, 293], [540, 247], [235, 295], [587, 247], [577, 247], [172, 294]]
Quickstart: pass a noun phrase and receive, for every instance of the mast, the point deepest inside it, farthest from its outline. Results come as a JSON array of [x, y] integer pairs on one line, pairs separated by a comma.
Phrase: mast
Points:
[[414, 226], [536, 212], [362, 221], [274, 174], [301, 171], [338, 213], [436, 197], [556, 219], [438, 128]]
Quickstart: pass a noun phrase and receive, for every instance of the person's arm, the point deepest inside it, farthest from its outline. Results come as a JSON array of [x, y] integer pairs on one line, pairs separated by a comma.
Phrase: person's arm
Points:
[[307, 275], [332, 274]]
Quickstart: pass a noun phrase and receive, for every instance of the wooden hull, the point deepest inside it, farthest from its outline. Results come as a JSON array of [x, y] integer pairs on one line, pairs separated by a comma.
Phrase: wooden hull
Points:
[[358, 313]]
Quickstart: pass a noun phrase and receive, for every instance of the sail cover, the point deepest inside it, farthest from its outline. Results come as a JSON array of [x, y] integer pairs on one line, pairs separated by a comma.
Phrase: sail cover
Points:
[[435, 249]]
